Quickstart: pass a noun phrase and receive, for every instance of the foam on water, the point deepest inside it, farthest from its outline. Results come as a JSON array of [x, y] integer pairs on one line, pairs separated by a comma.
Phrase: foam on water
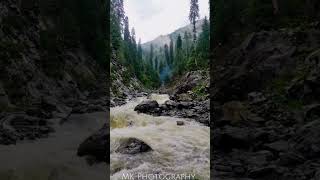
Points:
[[176, 149]]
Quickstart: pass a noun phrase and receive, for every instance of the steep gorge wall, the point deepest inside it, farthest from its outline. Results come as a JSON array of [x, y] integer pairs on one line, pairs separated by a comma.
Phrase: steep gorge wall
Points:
[[47, 70]]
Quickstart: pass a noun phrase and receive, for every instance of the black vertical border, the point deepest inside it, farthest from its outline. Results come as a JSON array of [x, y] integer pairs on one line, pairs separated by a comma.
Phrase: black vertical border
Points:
[[211, 85], [108, 80]]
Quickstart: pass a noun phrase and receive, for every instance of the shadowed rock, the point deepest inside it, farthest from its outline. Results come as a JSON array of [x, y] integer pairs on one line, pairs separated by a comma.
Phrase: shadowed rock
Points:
[[96, 145], [133, 146], [146, 106]]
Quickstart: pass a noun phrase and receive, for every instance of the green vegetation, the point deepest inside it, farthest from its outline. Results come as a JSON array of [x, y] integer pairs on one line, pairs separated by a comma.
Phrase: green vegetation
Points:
[[155, 65], [200, 90], [130, 54]]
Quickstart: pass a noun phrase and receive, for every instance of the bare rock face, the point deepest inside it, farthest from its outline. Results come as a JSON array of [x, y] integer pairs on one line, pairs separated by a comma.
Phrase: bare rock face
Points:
[[37, 81], [266, 107]]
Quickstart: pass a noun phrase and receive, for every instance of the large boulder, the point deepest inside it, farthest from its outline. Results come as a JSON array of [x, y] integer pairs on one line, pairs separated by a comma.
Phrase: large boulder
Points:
[[147, 106], [96, 146], [132, 146], [230, 137]]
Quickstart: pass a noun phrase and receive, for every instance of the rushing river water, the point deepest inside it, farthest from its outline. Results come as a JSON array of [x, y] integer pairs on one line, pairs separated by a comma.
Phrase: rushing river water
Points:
[[55, 157], [176, 149]]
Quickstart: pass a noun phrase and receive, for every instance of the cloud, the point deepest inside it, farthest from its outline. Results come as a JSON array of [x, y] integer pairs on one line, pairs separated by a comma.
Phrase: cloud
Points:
[[152, 18]]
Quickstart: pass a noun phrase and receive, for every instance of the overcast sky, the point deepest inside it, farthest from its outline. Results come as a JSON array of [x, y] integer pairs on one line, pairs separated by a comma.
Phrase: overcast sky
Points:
[[152, 18]]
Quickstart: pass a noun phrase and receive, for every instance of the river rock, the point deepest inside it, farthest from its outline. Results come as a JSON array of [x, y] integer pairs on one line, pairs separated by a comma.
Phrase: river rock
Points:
[[133, 146], [147, 106], [180, 123], [19, 126], [230, 137], [96, 145], [170, 104]]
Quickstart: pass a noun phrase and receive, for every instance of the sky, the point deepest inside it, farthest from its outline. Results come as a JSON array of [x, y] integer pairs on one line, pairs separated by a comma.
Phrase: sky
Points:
[[152, 18]]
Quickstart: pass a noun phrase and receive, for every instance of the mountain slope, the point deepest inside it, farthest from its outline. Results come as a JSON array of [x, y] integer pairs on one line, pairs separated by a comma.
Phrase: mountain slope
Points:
[[165, 39]]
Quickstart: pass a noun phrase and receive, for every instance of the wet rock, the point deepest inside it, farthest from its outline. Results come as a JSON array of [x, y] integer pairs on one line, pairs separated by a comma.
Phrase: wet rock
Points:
[[290, 159], [96, 145], [260, 158], [312, 112], [256, 97], [20, 126], [170, 104], [147, 106], [234, 112], [316, 175], [180, 123], [4, 100], [278, 146], [185, 105], [95, 108], [263, 172], [309, 139], [133, 146], [230, 137]]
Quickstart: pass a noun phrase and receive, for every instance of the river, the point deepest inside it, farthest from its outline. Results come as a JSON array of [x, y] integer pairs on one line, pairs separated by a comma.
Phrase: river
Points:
[[176, 149], [55, 157]]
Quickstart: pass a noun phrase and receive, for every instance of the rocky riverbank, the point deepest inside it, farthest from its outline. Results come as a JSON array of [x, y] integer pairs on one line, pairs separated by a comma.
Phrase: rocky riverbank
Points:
[[265, 103], [189, 98]]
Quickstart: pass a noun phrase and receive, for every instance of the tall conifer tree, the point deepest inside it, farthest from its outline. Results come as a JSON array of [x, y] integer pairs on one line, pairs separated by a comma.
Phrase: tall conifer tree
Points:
[[193, 16]]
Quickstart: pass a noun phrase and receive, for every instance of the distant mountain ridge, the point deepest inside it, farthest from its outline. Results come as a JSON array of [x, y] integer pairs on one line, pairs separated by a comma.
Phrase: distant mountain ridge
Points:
[[161, 40]]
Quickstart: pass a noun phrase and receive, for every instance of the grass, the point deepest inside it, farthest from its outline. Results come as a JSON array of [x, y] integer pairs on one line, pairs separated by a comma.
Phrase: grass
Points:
[[200, 90], [118, 122]]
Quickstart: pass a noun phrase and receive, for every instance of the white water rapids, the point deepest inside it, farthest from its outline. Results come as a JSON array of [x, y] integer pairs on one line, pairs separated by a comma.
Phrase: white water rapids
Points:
[[176, 149], [55, 157]]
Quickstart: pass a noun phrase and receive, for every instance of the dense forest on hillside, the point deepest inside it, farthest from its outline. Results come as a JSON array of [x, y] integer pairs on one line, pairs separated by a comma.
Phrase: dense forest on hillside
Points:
[[154, 66]]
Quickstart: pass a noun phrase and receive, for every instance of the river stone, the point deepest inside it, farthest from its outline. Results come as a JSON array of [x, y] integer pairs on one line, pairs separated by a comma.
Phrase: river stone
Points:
[[147, 106], [133, 146], [96, 145], [180, 123]]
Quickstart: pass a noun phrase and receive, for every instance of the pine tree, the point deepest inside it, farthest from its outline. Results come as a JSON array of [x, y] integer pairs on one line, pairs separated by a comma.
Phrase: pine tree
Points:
[[115, 32], [133, 36], [156, 65], [118, 10], [193, 16], [179, 63], [166, 53], [171, 53], [203, 46], [179, 42], [139, 53], [126, 33], [151, 55], [133, 45], [186, 43]]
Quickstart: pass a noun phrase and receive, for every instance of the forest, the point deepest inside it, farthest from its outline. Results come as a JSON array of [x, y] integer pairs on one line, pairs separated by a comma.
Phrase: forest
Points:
[[185, 52]]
